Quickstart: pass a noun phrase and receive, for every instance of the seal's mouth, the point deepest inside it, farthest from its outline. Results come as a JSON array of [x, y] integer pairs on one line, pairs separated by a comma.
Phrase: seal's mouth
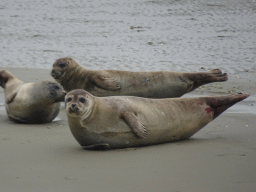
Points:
[[56, 74], [62, 96], [74, 110]]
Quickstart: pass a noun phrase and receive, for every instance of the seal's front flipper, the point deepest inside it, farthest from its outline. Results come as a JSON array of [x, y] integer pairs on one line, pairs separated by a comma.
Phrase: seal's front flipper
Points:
[[134, 122], [11, 97], [106, 83], [103, 146]]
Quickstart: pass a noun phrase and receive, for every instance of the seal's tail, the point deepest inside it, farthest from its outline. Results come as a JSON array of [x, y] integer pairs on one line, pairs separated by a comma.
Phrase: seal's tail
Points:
[[220, 104]]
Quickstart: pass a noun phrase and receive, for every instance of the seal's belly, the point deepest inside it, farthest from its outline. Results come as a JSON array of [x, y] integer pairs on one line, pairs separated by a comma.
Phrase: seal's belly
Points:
[[19, 107], [149, 85], [23, 109], [161, 129]]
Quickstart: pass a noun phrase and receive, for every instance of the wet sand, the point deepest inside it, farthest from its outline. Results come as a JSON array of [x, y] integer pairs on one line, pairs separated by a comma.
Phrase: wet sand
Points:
[[220, 157]]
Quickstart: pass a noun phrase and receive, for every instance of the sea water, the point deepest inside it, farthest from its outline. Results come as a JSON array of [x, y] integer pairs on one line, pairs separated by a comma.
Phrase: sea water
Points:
[[144, 35]]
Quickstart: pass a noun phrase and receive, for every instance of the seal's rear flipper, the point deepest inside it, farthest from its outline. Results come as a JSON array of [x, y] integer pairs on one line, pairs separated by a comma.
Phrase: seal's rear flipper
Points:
[[103, 146], [202, 78], [214, 75], [220, 104]]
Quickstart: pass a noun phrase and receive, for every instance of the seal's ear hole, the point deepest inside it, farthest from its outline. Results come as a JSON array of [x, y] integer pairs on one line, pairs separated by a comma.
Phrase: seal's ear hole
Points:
[[82, 100], [69, 99]]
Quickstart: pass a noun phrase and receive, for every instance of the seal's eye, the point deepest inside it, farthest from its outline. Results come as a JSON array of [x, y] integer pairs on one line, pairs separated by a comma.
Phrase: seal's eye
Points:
[[56, 87], [82, 100], [69, 99], [62, 65]]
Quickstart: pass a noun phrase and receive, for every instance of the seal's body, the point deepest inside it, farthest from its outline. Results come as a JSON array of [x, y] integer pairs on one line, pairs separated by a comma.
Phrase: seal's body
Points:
[[126, 121], [161, 84], [31, 102]]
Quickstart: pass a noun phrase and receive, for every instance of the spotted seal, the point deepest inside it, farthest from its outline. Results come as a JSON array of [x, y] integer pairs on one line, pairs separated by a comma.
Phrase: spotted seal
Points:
[[128, 121], [161, 84], [31, 102]]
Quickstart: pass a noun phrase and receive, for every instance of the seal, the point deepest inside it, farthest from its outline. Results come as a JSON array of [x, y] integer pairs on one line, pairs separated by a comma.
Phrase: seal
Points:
[[128, 121], [31, 102], [161, 84]]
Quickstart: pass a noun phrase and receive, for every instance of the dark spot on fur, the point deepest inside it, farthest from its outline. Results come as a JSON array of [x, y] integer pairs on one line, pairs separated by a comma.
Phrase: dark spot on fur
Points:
[[183, 80]]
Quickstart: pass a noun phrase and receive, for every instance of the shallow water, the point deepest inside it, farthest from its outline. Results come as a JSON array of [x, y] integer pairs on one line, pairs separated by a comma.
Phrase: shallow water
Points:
[[177, 35]]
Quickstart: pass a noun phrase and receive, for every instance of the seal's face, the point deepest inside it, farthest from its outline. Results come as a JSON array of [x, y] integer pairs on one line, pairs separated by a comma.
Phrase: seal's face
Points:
[[59, 67], [78, 103], [57, 93]]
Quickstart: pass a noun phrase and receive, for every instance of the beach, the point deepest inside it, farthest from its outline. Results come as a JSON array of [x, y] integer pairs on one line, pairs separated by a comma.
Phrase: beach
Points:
[[46, 157], [178, 36]]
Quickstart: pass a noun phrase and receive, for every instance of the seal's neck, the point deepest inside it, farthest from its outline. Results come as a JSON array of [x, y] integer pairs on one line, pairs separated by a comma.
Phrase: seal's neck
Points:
[[87, 118], [73, 77]]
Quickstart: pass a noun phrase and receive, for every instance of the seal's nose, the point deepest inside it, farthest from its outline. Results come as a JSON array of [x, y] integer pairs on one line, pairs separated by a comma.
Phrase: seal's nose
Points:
[[53, 71], [73, 105]]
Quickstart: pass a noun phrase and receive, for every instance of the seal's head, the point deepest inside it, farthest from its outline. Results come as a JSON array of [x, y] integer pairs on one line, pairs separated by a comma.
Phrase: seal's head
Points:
[[55, 91], [4, 77], [60, 67], [79, 103]]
